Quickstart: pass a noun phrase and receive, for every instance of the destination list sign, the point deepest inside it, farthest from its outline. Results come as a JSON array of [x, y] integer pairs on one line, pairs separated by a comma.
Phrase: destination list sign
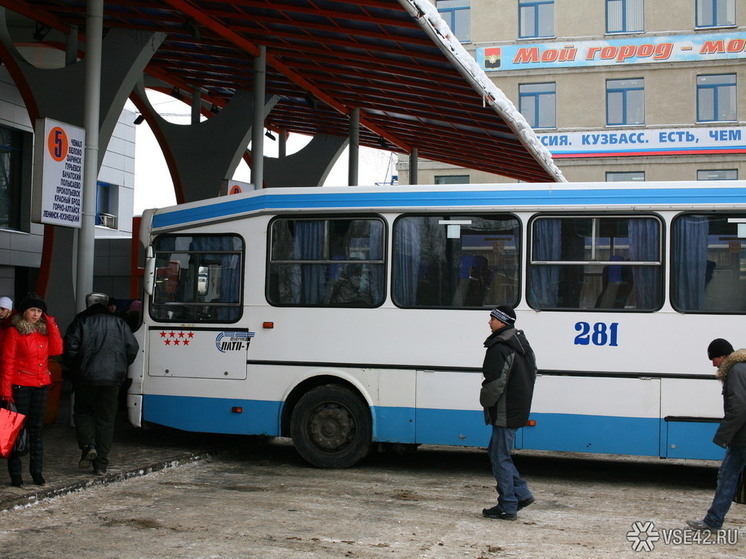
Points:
[[58, 187]]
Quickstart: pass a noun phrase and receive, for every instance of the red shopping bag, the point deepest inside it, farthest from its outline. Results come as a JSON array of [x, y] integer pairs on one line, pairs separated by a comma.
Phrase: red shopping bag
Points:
[[11, 423]]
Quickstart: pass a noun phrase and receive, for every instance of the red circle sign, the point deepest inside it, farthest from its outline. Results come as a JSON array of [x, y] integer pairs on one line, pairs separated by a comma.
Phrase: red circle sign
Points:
[[58, 143], [235, 189]]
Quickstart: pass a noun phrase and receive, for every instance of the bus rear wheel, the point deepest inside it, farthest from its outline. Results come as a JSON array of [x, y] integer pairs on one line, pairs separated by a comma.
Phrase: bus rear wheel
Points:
[[331, 427]]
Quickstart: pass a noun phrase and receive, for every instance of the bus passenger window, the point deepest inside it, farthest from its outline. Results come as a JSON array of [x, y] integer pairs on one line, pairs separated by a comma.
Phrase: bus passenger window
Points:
[[708, 263], [595, 262], [458, 261], [335, 262]]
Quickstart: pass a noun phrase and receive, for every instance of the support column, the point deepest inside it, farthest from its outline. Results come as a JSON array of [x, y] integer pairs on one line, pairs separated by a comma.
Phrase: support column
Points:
[[201, 156], [257, 132], [196, 105], [282, 147], [352, 179], [308, 167], [91, 115], [71, 46], [413, 157]]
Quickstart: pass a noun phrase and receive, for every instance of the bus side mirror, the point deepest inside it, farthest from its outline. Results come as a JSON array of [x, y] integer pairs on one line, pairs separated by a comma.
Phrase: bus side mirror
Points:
[[148, 280]]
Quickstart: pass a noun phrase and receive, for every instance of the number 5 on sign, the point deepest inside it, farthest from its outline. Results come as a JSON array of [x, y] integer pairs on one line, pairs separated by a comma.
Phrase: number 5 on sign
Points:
[[57, 144], [599, 333]]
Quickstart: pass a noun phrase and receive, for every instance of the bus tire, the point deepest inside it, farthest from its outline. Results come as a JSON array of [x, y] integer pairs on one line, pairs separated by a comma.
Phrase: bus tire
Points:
[[331, 427]]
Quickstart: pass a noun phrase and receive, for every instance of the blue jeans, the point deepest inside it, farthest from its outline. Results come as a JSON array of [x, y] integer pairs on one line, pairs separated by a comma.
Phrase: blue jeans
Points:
[[510, 487], [733, 463]]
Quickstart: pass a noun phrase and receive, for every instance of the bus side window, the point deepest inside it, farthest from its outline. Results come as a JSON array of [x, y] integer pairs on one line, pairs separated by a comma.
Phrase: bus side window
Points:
[[595, 262], [458, 261], [707, 262], [336, 262]]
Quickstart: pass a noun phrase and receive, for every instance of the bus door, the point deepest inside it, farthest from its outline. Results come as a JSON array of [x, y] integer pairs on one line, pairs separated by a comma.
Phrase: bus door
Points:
[[197, 341], [195, 307]]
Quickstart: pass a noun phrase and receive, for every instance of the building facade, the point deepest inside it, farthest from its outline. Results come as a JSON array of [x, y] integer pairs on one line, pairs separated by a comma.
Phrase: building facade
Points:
[[21, 239], [616, 89]]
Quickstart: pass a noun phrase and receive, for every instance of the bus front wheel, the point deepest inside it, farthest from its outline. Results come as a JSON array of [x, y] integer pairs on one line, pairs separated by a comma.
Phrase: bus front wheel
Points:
[[331, 427]]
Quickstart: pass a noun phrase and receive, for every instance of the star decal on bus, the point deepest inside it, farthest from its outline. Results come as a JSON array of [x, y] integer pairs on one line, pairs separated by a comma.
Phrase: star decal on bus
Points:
[[176, 338]]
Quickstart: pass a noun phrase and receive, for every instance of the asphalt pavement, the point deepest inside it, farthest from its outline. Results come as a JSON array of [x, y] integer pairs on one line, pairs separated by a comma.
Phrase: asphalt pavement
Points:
[[135, 452]]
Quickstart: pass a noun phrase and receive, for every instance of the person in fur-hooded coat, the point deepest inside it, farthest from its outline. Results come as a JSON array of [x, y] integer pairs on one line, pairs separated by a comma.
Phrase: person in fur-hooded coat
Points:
[[731, 433], [732, 373], [24, 377]]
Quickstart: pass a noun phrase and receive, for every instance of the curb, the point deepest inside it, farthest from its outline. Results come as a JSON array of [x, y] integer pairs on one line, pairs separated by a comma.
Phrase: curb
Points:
[[28, 499]]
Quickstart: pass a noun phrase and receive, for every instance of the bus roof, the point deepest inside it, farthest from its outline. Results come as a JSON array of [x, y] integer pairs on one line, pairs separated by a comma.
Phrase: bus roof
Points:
[[550, 196]]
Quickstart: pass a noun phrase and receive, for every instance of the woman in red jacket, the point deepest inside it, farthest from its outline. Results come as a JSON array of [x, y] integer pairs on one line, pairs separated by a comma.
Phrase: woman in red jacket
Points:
[[24, 376]]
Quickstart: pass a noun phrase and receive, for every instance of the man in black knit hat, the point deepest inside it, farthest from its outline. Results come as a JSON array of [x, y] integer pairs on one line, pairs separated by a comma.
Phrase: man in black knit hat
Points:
[[509, 371]]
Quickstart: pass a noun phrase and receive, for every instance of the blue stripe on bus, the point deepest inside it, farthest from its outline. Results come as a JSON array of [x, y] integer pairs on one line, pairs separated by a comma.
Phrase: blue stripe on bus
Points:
[[690, 439], [593, 433], [621, 435], [394, 425], [467, 198], [213, 415], [452, 427], [555, 432]]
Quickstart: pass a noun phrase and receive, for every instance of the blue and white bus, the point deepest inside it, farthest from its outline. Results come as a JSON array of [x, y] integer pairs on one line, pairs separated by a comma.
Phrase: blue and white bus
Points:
[[345, 317]]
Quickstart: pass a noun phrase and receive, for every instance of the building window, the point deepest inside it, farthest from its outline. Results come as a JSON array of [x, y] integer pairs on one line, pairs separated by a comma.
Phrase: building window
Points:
[[708, 256], [625, 102], [451, 179], [625, 176], [536, 18], [456, 261], [106, 204], [457, 14], [11, 142], [716, 98], [538, 104], [624, 16], [716, 13], [602, 262], [717, 175]]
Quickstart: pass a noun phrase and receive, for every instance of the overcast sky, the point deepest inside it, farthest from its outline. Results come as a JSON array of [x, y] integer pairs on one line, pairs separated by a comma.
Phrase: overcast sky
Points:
[[153, 185]]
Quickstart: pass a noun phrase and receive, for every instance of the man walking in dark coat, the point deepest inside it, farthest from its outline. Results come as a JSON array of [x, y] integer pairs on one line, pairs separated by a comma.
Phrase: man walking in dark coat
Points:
[[731, 433], [509, 374], [99, 346]]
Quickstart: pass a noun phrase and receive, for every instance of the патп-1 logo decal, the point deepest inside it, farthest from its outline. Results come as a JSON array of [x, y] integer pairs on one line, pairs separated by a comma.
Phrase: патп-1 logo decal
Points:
[[233, 341]]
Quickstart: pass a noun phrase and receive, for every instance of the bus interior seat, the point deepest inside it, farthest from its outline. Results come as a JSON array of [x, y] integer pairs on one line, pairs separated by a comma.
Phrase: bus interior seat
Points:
[[617, 286], [471, 287]]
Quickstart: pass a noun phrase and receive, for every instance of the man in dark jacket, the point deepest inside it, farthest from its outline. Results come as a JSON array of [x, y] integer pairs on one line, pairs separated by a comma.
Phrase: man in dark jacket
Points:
[[99, 346], [731, 433], [507, 389]]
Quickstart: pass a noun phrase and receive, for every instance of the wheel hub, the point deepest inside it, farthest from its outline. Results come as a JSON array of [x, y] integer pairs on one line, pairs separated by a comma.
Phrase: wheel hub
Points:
[[332, 427]]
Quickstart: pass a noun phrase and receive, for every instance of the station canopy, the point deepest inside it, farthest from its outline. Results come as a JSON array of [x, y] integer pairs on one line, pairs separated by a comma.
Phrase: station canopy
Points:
[[413, 82]]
